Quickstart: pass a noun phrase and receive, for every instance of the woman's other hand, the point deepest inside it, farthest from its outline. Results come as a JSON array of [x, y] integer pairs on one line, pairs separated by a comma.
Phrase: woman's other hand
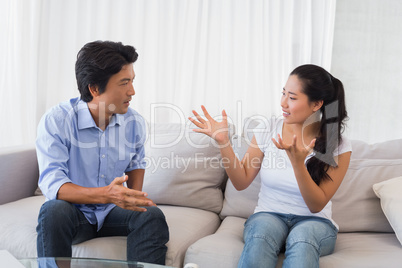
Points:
[[295, 153]]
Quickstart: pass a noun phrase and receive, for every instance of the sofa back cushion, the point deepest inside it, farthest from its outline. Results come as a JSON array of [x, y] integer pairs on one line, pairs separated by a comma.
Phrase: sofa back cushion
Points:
[[355, 206], [183, 168], [20, 173], [381, 150]]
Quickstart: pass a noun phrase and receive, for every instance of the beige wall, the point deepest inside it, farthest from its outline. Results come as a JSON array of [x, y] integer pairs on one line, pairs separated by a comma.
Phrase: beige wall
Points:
[[367, 57]]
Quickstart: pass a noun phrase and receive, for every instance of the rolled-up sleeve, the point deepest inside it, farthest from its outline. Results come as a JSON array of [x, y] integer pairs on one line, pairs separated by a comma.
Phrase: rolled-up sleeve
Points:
[[53, 156], [138, 156], [138, 160]]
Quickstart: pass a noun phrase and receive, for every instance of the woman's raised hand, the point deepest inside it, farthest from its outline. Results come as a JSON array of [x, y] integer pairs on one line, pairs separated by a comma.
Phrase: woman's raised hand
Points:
[[216, 130], [294, 152]]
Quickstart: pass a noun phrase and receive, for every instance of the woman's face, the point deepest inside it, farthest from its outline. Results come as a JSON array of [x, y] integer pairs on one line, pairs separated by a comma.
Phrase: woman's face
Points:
[[295, 104]]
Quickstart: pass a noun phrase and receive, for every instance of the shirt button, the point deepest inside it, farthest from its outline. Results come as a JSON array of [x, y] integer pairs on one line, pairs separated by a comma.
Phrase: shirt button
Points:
[[103, 156], [102, 176]]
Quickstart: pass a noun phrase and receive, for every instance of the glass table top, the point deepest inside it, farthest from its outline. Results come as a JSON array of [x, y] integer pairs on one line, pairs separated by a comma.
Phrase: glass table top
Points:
[[84, 263]]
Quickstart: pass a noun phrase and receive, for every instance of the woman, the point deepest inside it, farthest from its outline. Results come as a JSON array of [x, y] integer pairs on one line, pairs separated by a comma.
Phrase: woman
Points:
[[294, 208]]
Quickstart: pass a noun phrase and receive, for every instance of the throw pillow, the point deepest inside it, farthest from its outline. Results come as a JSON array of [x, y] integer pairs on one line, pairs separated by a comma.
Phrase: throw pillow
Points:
[[389, 192]]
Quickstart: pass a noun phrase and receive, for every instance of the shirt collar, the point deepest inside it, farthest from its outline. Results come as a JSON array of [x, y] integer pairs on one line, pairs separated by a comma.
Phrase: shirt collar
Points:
[[85, 119], [116, 120]]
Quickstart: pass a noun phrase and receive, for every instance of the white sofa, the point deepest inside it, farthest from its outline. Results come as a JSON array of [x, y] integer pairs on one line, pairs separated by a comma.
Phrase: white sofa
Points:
[[204, 212]]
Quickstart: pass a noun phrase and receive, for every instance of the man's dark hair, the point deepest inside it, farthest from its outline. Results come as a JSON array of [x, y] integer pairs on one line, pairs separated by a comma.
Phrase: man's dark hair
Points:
[[97, 61]]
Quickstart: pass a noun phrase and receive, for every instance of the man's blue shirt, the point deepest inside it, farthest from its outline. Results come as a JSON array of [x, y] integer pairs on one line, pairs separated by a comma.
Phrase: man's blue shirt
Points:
[[71, 148]]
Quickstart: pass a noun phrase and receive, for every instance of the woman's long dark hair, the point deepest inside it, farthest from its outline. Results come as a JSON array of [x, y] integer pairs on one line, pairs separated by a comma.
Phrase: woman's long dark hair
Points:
[[318, 84]]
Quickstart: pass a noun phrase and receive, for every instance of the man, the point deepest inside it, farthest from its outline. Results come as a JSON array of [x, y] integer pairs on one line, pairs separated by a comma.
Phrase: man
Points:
[[84, 147]]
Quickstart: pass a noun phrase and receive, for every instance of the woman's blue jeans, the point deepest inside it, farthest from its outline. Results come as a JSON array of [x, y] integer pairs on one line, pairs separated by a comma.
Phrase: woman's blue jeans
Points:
[[304, 239], [61, 224]]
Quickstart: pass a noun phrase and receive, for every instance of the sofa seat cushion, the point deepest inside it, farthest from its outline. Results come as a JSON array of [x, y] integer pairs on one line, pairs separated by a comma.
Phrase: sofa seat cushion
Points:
[[19, 221], [223, 249], [18, 226], [365, 250], [186, 226]]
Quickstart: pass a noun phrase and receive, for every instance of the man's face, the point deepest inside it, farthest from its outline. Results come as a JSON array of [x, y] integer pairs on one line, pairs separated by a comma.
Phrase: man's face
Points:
[[118, 92]]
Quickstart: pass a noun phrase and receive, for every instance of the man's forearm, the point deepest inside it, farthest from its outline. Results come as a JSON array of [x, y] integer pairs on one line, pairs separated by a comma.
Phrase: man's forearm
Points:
[[82, 195], [115, 193]]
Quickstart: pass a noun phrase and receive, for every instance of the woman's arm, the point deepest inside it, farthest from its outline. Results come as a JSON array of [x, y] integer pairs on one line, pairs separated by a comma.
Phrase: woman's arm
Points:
[[241, 173], [315, 196]]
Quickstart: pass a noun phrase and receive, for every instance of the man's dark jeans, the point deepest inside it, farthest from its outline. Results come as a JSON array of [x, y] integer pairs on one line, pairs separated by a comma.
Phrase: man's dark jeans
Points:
[[61, 224]]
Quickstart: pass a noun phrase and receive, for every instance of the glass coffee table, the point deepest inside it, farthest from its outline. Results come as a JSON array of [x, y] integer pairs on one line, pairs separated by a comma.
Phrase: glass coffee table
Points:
[[84, 263]]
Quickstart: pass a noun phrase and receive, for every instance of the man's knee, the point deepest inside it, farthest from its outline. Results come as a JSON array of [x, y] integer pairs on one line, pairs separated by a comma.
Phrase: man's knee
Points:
[[155, 212], [56, 210], [152, 219], [55, 229]]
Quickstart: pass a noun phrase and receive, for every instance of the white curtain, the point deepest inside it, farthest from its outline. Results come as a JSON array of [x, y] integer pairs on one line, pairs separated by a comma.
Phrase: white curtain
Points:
[[225, 54], [19, 47]]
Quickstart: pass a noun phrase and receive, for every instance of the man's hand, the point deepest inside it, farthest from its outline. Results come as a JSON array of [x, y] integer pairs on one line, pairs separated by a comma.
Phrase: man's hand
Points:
[[127, 198]]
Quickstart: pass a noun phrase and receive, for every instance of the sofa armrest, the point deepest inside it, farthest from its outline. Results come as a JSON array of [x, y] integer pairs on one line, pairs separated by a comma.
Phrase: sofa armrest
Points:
[[19, 173]]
